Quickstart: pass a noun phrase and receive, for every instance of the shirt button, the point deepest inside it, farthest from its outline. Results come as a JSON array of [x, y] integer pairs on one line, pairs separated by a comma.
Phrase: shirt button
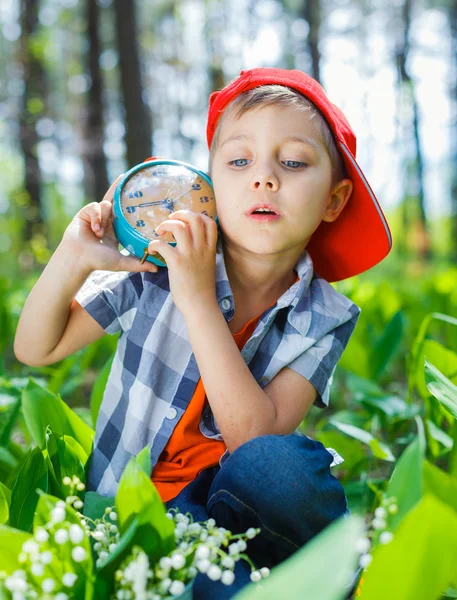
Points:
[[172, 412], [226, 304]]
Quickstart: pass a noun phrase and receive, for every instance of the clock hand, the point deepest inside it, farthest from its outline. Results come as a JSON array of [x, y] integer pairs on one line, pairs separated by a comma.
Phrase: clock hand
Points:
[[142, 205]]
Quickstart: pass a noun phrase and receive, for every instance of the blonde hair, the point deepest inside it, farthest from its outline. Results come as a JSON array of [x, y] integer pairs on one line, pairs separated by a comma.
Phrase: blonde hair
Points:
[[279, 94]]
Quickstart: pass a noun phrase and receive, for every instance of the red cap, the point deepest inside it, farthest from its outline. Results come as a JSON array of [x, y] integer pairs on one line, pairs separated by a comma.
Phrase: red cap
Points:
[[360, 237]]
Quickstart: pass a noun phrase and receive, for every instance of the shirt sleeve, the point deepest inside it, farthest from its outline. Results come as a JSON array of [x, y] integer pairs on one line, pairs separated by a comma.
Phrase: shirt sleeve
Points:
[[319, 362], [109, 297]]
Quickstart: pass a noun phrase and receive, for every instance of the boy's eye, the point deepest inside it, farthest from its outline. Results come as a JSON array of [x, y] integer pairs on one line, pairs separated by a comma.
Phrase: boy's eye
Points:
[[237, 160], [293, 164]]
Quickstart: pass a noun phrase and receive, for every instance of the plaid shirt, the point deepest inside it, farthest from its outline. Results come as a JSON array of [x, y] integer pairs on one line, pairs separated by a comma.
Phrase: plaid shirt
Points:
[[154, 372]]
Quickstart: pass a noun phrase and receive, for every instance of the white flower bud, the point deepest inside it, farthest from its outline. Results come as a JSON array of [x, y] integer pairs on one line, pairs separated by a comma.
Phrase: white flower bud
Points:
[[48, 585], [99, 536], [228, 577], [177, 561], [112, 547], [76, 534], [58, 514], [228, 562], [41, 535], [203, 565], [80, 487], [61, 596], [60, 504], [378, 523], [393, 509], [176, 588], [61, 536], [169, 515], [365, 560], [210, 523], [66, 481], [214, 572], [192, 572], [69, 579], [46, 557], [103, 554], [386, 537], [30, 547], [78, 504], [363, 545], [265, 571], [233, 549], [242, 545], [202, 552], [165, 584], [37, 569], [255, 576], [78, 554], [380, 512], [165, 563], [113, 516], [251, 533]]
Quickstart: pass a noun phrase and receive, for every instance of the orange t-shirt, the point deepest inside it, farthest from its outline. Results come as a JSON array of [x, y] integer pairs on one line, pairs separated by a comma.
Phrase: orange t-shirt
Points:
[[188, 451]]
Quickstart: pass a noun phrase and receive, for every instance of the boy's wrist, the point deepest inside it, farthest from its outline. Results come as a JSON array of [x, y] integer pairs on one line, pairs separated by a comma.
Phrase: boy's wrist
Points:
[[72, 260]]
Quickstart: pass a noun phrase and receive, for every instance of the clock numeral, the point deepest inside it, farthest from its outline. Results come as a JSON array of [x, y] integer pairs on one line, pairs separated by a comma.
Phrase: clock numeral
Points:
[[158, 172], [131, 209], [140, 223], [204, 199], [196, 186], [204, 212], [136, 194]]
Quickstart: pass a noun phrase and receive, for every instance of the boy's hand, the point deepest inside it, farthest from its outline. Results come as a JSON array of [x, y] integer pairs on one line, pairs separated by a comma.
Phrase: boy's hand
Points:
[[90, 235], [192, 262]]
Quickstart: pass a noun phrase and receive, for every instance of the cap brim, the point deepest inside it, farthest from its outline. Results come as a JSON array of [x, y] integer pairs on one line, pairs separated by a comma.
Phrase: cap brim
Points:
[[359, 239]]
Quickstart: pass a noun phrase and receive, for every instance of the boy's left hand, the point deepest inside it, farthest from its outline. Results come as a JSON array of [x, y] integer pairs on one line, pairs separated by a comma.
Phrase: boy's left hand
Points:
[[192, 262]]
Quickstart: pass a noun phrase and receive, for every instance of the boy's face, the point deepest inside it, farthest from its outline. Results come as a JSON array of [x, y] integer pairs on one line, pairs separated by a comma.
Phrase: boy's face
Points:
[[294, 177]]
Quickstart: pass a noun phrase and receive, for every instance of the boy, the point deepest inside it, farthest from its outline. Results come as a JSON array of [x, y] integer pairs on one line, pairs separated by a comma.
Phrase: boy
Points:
[[222, 354]]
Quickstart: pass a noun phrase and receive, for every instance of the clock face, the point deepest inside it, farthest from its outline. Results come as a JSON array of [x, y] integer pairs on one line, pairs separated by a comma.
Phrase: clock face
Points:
[[153, 193]]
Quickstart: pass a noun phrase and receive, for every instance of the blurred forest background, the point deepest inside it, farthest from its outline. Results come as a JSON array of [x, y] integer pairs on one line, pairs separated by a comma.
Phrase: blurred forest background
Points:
[[89, 88]]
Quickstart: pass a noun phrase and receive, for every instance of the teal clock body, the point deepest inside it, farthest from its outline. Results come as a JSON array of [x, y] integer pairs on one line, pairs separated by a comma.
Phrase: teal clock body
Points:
[[146, 196]]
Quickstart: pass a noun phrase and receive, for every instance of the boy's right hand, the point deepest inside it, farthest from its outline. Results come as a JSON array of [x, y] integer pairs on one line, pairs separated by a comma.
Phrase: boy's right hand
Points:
[[90, 235]]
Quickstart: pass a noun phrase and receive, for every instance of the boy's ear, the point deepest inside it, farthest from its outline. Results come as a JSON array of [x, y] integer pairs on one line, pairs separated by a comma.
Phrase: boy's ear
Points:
[[338, 199]]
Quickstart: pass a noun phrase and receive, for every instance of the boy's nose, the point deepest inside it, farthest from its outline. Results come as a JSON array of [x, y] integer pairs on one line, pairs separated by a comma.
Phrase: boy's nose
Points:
[[265, 181]]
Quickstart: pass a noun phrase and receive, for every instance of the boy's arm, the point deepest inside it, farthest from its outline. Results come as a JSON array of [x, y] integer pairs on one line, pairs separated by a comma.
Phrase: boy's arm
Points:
[[52, 325]]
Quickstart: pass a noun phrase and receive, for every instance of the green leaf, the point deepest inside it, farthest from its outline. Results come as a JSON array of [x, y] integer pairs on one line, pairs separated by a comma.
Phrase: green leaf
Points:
[[95, 504], [442, 358], [42, 408], [4, 505], [11, 541], [441, 388], [440, 484], [98, 390], [137, 497], [386, 345], [439, 435], [24, 498], [143, 460], [379, 449], [423, 544], [9, 410], [406, 481], [64, 462], [301, 575]]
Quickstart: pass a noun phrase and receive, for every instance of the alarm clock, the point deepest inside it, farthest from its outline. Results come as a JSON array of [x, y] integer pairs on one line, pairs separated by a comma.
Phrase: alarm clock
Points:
[[149, 193]]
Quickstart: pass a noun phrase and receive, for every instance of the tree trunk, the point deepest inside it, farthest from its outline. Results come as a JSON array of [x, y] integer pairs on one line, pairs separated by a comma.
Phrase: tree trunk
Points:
[[453, 27], [94, 156], [32, 107], [138, 118], [422, 239], [312, 15]]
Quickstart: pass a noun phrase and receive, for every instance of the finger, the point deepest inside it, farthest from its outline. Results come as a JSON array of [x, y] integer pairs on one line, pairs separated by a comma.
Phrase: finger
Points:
[[211, 231], [180, 230], [163, 248], [93, 211], [195, 223], [133, 264], [106, 211], [109, 196]]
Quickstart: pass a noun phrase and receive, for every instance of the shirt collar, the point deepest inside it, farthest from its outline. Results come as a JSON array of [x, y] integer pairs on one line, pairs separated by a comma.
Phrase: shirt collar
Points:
[[303, 267]]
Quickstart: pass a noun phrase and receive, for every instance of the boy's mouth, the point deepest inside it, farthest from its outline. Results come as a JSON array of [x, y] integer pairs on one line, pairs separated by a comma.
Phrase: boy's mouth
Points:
[[263, 212]]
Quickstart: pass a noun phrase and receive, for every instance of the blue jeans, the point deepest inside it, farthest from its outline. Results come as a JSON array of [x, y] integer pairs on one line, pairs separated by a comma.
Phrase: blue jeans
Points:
[[279, 483]]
